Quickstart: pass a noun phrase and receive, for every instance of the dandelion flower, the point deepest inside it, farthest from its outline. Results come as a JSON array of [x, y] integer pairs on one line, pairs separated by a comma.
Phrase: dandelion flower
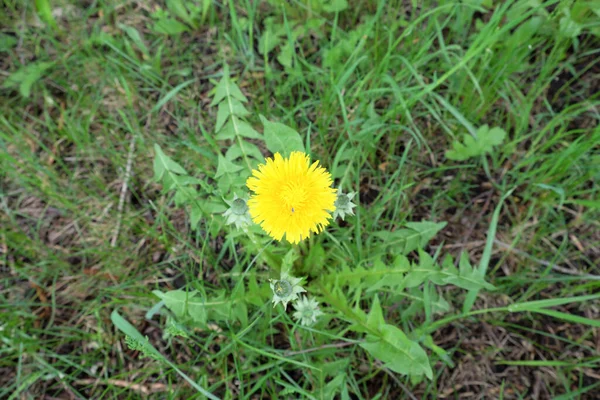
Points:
[[291, 197]]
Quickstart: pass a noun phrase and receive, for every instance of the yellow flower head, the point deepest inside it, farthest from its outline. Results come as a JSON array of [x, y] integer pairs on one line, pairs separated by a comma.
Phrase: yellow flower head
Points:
[[291, 197]]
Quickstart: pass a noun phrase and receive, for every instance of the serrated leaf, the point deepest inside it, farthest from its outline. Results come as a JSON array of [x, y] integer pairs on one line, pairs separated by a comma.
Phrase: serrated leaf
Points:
[[190, 304], [236, 126], [26, 76], [416, 236], [334, 386], [135, 36], [226, 167], [7, 42], [195, 215], [394, 274], [335, 5], [286, 53], [184, 194], [169, 26], [371, 277], [246, 130], [569, 28], [425, 270], [229, 108], [163, 163], [268, 41], [334, 367], [281, 138], [178, 8], [176, 300], [375, 318], [226, 88], [222, 115], [399, 353], [484, 142], [466, 276]]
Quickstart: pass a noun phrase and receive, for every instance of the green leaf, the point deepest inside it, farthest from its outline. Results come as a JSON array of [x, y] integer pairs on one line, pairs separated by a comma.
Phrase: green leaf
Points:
[[230, 107], [399, 353], [246, 130], [375, 318], [26, 76], [286, 54], [334, 386], [225, 89], [134, 35], [191, 304], [44, 10], [236, 126], [335, 5], [169, 26], [179, 10], [466, 277], [7, 42], [176, 300], [415, 236], [163, 163], [372, 277], [425, 270], [569, 28], [226, 167], [484, 142], [184, 194], [270, 38], [281, 138]]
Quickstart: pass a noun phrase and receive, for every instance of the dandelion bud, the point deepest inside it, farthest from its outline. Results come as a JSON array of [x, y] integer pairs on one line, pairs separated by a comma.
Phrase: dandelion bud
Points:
[[285, 289], [307, 311], [237, 213], [343, 204]]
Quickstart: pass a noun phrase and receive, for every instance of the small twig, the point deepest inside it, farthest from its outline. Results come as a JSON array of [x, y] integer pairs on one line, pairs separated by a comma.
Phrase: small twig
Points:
[[144, 389], [113, 242], [21, 36]]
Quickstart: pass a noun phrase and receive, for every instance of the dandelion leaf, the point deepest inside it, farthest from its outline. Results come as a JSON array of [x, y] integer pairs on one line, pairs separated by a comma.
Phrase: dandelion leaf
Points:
[[163, 163], [398, 352], [226, 88], [466, 276], [483, 143], [281, 138], [415, 235]]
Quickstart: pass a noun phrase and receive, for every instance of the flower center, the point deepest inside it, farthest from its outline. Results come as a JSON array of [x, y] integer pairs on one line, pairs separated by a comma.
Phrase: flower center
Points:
[[282, 288], [293, 196], [342, 200]]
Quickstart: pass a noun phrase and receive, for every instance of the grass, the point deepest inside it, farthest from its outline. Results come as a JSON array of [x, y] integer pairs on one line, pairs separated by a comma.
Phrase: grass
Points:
[[380, 91]]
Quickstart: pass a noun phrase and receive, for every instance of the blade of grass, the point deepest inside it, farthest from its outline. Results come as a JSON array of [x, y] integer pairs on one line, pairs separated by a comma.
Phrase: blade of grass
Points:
[[487, 253]]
